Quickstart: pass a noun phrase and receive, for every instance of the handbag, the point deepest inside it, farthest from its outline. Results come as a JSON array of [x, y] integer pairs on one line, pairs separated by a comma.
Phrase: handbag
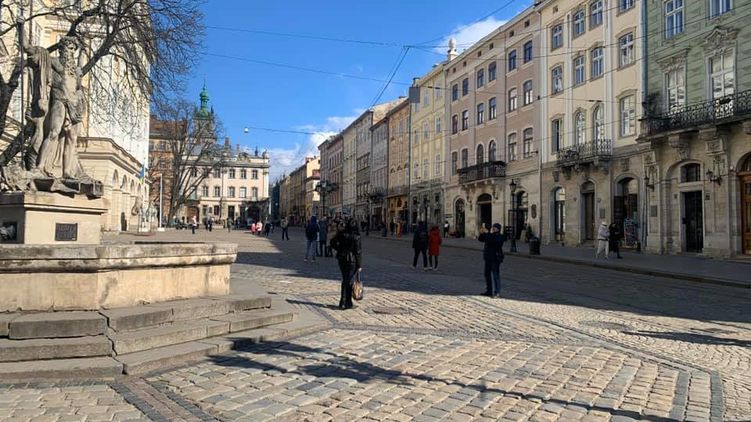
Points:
[[357, 288]]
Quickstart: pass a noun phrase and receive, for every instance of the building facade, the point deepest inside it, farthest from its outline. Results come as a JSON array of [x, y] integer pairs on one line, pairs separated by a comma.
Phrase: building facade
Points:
[[428, 148], [493, 107], [696, 137], [591, 76], [331, 174], [363, 147], [299, 198], [398, 164], [379, 171], [349, 170]]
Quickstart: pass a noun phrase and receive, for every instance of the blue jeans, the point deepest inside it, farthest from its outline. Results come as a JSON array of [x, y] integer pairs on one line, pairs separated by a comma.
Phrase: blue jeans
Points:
[[495, 274], [310, 250]]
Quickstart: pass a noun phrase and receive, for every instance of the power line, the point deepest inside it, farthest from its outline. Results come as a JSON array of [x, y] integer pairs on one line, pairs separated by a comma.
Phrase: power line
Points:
[[391, 77], [306, 36]]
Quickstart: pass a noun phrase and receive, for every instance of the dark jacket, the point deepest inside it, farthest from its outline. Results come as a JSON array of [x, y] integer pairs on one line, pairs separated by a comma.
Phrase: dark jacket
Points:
[[348, 248], [493, 248], [311, 230], [420, 240], [323, 230], [615, 235]]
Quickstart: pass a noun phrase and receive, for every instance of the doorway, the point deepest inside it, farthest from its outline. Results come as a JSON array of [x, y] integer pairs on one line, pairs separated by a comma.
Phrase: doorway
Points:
[[485, 210], [693, 221], [459, 217], [559, 214], [626, 210], [744, 173], [588, 205]]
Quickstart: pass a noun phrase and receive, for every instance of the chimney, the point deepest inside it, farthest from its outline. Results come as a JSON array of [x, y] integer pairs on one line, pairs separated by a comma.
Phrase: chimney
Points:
[[452, 54]]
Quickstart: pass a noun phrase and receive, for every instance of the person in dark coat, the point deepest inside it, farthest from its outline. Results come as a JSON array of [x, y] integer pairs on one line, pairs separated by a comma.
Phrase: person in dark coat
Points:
[[349, 257], [311, 235], [420, 245], [492, 253], [323, 231], [614, 240]]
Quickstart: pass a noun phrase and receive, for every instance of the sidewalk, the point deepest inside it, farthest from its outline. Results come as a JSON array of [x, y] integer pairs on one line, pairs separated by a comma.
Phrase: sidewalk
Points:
[[692, 268]]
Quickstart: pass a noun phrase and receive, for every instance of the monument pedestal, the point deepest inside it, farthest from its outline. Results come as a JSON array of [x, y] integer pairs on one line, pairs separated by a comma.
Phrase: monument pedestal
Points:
[[45, 218]]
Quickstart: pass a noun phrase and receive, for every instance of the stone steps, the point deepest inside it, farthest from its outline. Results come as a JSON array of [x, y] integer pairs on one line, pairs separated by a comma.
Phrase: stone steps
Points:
[[56, 325], [57, 348], [88, 368]]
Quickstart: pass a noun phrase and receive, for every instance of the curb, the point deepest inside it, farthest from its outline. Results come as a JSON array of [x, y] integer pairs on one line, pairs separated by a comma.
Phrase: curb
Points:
[[621, 268]]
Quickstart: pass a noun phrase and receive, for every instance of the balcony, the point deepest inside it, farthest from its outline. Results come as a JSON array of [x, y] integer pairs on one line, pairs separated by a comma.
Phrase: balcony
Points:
[[483, 171], [397, 191], [715, 111], [589, 152]]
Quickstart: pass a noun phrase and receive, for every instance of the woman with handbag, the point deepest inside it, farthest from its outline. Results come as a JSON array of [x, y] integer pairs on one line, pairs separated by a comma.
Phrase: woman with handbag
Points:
[[349, 256]]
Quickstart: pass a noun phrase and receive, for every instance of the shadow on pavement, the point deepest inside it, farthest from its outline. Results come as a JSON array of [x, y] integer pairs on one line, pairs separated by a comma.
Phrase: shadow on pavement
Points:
[[692, 338]]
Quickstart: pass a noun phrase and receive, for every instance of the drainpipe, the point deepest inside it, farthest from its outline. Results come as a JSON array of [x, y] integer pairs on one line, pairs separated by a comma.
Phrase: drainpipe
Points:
[[644, 82]]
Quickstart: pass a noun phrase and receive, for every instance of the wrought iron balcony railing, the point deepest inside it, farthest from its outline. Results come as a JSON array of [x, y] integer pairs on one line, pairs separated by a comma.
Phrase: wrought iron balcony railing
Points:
[[398, 190], [717, 110], [487, 170], [600, 149]]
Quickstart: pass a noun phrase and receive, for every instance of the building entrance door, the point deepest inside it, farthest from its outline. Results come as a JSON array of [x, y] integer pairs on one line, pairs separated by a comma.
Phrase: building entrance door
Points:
[[693, 221], [559, 214], [588, 205], [485, 210], [746, 212], [459, 218]]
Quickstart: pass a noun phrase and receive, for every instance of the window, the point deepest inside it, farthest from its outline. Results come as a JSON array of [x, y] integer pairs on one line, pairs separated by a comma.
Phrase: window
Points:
[[556, 37], [579, 72], [425, 130], [512, 147], [512, 60], [243, 174], [480, 157], [480, 78], [527, 142], [465, 86], [231, 173], [194, 172], [673, 18], [491, 109], [691, 173], [425, 168], [426, 97], [216, 210], [254, 174], [231, 192], [624, 5], [719, 7], [491, 72], [556, 138], [217, 173], [557, 79], [626, 48], [454, 92], [465, 119], [454, 124], [437, 165], [579, 24], [597, 68], [528, 93], [217, 191], [438, 93], [527, 51], [512, 99], [454, 162], [205, 191], [580, 128], [676, 89], [598, 124], [491, 151], [595, 14], [722, 74], [465, 158], [243, 192], [480, 113], [438, 126], [628, 123], [254, 194]]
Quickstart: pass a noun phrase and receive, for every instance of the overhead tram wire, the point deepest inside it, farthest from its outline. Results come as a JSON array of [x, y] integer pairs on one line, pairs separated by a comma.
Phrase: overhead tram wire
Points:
[[306, 36], [399, 62]]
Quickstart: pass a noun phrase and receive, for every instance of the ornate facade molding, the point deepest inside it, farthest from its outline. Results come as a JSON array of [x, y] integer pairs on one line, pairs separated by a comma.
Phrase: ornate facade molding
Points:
[[720, 39]]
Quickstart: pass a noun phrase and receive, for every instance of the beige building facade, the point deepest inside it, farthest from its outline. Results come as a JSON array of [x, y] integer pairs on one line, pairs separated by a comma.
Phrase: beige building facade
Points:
[[398, 164]]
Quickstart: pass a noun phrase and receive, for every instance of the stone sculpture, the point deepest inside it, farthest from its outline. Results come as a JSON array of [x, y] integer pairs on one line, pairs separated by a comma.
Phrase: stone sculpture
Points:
[[50, 160]]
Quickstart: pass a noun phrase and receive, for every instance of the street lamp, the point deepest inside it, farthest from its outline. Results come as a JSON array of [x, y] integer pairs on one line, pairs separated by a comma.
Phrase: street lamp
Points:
[[512, 187], [323, 188]]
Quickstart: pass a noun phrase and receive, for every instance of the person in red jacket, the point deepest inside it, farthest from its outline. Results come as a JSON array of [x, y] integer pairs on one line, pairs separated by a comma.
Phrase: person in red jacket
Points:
[[434, 246]]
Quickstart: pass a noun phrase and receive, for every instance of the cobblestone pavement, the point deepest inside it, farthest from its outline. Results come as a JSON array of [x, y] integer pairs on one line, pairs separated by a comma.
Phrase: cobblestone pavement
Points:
[[564, 343]]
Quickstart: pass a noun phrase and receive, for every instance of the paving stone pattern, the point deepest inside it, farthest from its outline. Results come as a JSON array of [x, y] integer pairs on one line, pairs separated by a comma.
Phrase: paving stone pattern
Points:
[[565, 343]]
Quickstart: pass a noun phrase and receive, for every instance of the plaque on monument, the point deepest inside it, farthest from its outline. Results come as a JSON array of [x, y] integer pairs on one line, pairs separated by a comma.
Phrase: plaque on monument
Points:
[[65, 232]]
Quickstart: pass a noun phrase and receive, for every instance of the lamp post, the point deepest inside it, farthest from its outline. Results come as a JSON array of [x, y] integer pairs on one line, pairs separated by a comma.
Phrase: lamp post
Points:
[[512, 187], [324, 187]]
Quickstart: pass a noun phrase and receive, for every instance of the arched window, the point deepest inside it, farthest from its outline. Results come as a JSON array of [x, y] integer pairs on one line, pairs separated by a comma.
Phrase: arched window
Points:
[[480, 154], [691, 173], [491, 151], [580, 125], [598, 123]]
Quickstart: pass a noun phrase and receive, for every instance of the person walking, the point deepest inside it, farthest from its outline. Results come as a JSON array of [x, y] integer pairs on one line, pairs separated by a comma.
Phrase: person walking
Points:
[[603, 234], [446, 228], [193, 224], [229, 225], [392, 227], [311, 234], [285, 228], [210, 223], [267, 228], [332, 230], [492, 254], [614, 240], [434, 247], [420, 245], [323, 232], [348, 248]]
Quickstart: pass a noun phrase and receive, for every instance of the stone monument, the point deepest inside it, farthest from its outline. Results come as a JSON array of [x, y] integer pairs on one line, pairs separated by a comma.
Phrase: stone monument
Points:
[[47, 197]]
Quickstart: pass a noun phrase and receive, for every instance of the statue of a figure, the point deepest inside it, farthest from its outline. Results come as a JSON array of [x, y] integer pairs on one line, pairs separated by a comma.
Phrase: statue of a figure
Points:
[[57, 107]]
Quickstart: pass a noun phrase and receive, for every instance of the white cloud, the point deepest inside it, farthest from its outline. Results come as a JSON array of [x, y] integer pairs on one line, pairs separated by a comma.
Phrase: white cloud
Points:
[[285, 160], [466, 35]]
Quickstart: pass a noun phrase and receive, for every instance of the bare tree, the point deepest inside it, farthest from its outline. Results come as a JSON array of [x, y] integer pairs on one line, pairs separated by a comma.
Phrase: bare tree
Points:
[[155, 43], [188, 145]]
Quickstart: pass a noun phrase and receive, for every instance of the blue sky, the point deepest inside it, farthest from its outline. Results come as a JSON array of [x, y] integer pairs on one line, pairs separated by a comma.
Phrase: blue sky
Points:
[[245, 93]]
